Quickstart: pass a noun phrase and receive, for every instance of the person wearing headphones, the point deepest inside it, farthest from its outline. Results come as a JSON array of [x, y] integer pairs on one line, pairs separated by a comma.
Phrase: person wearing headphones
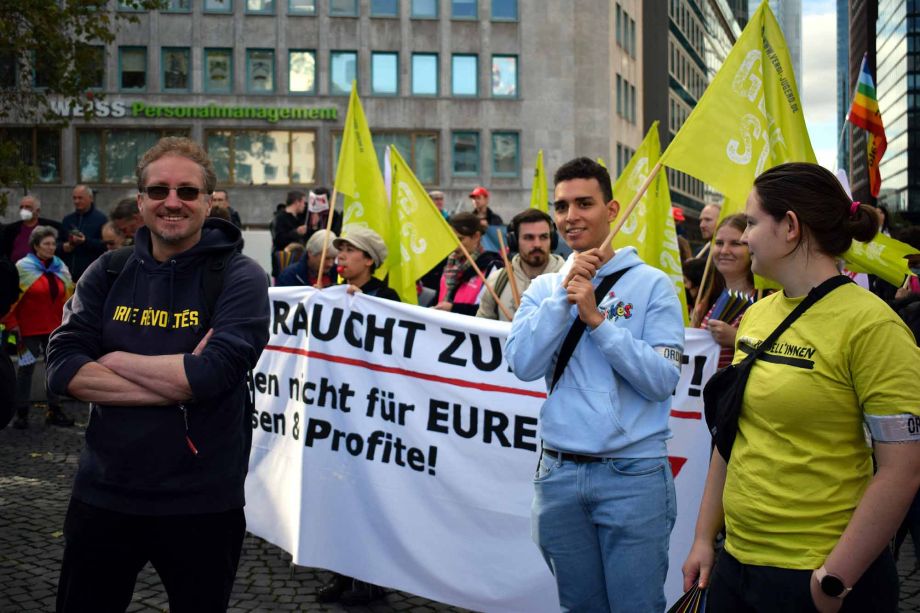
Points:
[[533, 236]]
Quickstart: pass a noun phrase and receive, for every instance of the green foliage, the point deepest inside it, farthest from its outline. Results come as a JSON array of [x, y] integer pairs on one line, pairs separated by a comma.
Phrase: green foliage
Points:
[[49, 49]]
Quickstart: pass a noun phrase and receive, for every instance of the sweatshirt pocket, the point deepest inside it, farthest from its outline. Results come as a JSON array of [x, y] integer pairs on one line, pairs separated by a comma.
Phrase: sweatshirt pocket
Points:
[[587, 418]]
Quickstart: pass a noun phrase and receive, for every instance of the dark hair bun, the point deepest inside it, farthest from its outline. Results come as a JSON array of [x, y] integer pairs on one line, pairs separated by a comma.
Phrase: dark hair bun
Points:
[[863, 223]]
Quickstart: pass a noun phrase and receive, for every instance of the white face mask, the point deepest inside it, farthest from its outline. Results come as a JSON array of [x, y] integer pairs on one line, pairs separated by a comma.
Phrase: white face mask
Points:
[[25, 214]]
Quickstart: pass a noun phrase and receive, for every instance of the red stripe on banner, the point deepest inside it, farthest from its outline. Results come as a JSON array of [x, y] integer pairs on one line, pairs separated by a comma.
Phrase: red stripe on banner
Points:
[[486, 387], [677, 463], [686, 414]]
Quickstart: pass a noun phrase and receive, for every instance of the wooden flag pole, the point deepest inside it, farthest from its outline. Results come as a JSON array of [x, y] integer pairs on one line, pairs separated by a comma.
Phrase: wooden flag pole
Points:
[[322, 257], [484, 282], [632, 205], [515, 294], [702, 297]]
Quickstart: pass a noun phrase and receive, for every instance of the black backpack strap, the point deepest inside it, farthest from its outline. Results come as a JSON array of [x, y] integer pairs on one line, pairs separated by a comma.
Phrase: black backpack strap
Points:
[[578, 328], [817, 293], [501, 280], [212, 283], [117, 261]]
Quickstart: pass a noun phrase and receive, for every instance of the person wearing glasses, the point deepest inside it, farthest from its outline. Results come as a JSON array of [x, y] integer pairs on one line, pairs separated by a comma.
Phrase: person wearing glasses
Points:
[[160, 346]]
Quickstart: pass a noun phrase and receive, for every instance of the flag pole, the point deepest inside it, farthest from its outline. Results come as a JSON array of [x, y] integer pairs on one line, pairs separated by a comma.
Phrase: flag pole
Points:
[[322, 257], [703, 295], [487, 285], [632, 205], [515, 294]]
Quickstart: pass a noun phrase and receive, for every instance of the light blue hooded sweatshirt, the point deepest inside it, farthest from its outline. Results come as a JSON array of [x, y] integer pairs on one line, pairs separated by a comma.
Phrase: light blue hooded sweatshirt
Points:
[[614, 398]]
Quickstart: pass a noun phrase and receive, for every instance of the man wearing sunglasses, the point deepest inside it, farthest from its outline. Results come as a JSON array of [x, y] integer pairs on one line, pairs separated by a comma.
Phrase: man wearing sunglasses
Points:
[[161, 353]]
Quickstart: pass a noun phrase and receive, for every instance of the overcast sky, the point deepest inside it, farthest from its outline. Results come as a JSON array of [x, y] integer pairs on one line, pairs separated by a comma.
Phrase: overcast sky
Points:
[[818, 86]]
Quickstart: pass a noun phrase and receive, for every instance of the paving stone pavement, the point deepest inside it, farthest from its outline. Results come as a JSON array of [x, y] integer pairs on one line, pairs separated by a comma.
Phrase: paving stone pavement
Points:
[[36, 473]]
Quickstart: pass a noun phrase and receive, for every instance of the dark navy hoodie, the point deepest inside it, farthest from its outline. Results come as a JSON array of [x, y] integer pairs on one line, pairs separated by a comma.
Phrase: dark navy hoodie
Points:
[[136, 459]]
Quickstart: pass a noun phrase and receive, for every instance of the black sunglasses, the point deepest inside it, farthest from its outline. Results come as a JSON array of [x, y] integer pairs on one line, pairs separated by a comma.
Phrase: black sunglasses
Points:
[[161, 192]]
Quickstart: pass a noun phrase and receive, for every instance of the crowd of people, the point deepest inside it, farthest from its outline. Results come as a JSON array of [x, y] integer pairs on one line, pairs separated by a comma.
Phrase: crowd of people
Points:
[[171, 326]]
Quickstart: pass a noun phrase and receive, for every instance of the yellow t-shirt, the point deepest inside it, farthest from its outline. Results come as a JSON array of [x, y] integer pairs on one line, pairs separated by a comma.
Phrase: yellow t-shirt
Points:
[[801, 462]]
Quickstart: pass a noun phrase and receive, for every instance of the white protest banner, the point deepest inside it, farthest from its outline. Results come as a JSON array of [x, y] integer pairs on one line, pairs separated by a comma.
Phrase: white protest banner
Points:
[[391, 443]]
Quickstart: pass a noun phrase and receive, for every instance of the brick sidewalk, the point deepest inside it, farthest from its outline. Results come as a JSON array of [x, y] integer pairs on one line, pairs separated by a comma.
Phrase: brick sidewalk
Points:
[[35, 481]]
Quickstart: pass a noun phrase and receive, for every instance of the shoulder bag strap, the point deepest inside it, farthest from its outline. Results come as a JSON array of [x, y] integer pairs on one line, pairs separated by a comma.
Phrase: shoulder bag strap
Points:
[[816, 294], [578, 328]]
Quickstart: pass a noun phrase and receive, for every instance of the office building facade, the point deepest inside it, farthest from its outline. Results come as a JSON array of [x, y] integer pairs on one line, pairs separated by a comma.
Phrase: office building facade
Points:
[[468, 90]]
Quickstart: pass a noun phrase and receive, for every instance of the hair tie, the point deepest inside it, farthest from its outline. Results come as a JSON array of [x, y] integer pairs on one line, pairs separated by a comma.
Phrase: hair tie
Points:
[[854, 207]]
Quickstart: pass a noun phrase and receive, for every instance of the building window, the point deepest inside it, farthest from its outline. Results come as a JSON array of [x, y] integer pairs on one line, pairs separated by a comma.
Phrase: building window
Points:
[[260, 7], [301, 7], [110, 156], [425, 9], [424, 74], [132, 68], [255, 157], [174, 64], [385, 74], [619, 95], [506, 159], [93, 57], [260, 71], [39, 148], [419, 149], [464, 9], [44, 70], [504, 10], [218, 71], [504, 76], [384, 8], [464, 72], [124, 5], [465, 153], [343, 8], [302, 72], [343, 70], [218, 6], [177, 6], [8, 70]]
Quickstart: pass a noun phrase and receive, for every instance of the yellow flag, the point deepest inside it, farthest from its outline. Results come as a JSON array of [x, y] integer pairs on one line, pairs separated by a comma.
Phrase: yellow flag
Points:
[[750, 117], [538, 193], [650, 228], [883, 257], [358, 176], [420, 236]]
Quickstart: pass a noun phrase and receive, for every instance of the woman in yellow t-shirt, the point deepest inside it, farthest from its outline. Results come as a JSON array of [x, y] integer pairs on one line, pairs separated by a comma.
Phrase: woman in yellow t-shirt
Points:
[[807, 523]]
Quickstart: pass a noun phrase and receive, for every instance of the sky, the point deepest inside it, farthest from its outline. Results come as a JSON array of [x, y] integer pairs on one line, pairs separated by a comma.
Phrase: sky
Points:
[[818, 85]]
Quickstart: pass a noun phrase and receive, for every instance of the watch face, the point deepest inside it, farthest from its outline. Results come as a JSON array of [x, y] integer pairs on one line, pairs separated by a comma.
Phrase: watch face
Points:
[[832, 586]]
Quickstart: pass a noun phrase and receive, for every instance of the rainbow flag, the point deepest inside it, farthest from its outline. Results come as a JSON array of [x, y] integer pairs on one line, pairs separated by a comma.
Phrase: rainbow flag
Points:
[[865, 114]]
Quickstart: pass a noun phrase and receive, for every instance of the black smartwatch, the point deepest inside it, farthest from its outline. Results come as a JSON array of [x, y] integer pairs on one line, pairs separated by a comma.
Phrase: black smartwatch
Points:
[[831, 585]]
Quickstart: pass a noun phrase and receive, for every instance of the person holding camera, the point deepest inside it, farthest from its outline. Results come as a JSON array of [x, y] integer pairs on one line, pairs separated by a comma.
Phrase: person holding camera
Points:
[[82, 240]]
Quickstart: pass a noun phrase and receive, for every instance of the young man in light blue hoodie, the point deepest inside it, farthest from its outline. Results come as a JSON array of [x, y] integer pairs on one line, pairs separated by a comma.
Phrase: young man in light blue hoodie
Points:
[[604, 502]]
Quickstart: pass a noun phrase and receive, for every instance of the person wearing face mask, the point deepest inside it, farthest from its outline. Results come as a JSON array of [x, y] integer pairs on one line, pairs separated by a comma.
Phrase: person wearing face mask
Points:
[[14, 240], [317, 214]]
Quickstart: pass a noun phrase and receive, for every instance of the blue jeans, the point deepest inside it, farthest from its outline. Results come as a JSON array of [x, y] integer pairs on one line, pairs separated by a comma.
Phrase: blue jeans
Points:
[[603, 528]]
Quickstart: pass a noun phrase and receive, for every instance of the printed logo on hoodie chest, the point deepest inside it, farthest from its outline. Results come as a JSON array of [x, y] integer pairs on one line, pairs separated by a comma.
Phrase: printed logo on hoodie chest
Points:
[[615, 308], [156, 318]]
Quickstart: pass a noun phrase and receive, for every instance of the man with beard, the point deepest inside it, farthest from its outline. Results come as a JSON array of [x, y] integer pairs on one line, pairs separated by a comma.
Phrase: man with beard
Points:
[[534, 234]]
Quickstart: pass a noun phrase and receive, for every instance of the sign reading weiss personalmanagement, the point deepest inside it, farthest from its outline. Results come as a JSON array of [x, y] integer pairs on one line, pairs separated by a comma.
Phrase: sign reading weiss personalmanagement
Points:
[[117, 108], [391, 443]]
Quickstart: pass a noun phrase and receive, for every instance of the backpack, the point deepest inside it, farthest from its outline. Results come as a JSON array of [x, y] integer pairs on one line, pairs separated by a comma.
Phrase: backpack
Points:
[[212, 282]]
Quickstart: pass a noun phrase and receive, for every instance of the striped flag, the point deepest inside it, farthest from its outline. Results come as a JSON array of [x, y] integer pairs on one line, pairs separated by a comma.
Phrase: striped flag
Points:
[[865, 114]]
